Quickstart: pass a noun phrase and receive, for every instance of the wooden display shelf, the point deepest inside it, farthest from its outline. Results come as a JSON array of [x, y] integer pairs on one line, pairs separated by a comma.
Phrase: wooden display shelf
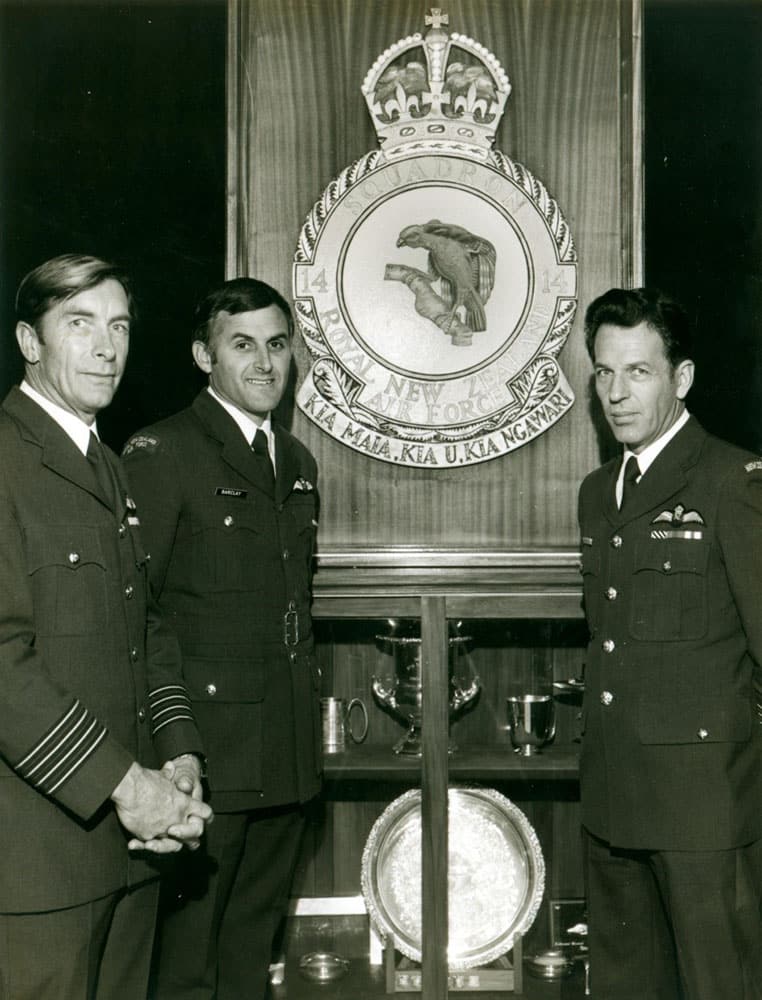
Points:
[[474, 763], [390, 582]]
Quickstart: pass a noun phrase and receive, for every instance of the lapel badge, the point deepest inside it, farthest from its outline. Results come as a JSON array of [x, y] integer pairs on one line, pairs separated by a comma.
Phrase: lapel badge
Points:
[[754, 466], [132, 511], [302, 486], [678, 523]]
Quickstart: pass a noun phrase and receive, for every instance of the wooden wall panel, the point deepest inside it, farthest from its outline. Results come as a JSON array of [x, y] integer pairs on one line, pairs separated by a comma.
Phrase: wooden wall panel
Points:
[[297, 118]]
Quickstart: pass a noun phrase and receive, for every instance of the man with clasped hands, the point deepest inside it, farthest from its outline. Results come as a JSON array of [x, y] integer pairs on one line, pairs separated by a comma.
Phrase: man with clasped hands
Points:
[[671, 765], [228, 499], [90, 693]]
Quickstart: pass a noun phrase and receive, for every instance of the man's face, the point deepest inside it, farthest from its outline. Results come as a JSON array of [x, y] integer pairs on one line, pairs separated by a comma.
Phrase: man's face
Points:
[[77, 351], [640, 393], [248, 359]]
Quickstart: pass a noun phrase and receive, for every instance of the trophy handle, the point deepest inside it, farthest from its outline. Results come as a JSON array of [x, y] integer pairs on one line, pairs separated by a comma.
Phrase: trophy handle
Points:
[[385, 695], [461, 698], [364, 712]]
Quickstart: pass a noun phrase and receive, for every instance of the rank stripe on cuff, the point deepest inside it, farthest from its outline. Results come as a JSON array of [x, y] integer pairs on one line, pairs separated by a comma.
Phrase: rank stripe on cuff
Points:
[[67, 745], [175, 718], [170, 703]]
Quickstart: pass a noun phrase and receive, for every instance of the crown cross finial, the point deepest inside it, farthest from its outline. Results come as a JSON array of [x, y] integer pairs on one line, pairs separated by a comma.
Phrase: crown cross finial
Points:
[[436, 19]]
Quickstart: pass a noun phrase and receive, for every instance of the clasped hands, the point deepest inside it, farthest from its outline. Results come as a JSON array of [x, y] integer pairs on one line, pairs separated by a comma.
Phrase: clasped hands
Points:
[[163, 810]]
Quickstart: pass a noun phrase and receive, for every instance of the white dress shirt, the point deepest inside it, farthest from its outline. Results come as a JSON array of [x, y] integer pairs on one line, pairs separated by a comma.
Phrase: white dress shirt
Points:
[[649, 454], [249, 427]]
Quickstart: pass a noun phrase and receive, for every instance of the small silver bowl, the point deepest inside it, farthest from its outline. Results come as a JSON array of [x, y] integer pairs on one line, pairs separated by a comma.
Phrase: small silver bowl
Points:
[[323, 966], [551, 964]]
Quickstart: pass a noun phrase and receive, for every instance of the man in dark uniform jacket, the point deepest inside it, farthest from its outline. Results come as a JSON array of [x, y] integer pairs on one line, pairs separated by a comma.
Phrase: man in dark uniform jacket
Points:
[[230, 523], [671, 768], [90, 685]]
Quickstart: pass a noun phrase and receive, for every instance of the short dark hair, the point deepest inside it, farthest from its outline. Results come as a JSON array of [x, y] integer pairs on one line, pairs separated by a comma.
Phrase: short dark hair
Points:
[[62, 277], [238, 295], [629, 307]]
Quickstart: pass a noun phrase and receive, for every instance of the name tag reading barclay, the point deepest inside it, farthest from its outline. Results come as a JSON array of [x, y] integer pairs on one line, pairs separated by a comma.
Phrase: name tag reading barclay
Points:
[[228, 491]]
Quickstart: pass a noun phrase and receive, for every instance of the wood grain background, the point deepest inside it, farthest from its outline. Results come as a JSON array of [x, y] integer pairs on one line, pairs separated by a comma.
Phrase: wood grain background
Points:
[[297, 118]]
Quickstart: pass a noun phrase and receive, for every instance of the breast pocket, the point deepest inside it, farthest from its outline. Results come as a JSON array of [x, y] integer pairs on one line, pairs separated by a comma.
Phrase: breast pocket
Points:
[[669, 599], [68, 577], [229, 540]]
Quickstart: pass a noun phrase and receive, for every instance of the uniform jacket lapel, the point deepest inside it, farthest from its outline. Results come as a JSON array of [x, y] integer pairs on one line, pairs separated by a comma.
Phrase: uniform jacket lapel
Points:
[[287, 464], [58, 451], [235, 450], [120, 482], [665, 477]]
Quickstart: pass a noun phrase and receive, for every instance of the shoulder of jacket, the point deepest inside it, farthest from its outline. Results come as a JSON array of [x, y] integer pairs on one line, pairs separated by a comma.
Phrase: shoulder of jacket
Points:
[[731, 463], [301, 449], [600, 475], [160, 436]]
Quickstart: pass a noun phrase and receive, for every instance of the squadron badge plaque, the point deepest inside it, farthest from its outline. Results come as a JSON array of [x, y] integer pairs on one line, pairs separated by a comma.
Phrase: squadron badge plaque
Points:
[[435, 280]]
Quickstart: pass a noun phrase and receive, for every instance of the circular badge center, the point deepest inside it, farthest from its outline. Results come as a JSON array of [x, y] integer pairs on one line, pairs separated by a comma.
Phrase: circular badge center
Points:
[[433, 282]]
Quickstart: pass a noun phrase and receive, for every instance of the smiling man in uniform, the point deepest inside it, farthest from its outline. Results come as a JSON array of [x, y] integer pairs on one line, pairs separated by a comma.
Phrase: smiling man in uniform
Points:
[[671, 766], [228, 499]]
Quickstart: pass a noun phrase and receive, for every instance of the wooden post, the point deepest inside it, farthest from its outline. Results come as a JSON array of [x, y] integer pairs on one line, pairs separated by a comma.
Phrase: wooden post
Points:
[[435, 726]]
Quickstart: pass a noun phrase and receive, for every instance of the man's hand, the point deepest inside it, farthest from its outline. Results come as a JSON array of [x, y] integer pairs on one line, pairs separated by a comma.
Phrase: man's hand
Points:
[[162, 817], [185, 773]]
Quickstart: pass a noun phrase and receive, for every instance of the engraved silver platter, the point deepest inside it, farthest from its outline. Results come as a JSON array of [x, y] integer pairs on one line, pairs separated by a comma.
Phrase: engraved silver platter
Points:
[[496, 875]]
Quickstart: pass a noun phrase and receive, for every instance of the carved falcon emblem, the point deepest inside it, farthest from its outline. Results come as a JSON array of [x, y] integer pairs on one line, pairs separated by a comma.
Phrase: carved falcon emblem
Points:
[[463, 264]]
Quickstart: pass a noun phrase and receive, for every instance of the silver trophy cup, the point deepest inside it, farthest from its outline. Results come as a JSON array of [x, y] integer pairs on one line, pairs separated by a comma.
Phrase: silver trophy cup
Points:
[[531, 720], [403, 696]]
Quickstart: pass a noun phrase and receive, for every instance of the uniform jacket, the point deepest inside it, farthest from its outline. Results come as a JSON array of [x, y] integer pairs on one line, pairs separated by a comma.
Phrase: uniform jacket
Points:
[[231, 568], [672, 745], [89, 676]]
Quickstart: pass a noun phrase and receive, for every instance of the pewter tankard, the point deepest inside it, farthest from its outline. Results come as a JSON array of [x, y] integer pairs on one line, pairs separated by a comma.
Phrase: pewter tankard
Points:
[[336, 719]]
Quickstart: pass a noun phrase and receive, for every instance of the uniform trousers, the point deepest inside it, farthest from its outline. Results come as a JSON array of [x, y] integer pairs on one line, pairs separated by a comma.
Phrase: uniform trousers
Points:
[[97, 951], [674, 925], [226, 903]]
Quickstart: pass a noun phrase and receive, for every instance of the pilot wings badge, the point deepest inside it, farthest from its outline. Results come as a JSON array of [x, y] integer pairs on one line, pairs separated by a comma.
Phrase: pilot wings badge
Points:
[[435, 279], [678, 523]]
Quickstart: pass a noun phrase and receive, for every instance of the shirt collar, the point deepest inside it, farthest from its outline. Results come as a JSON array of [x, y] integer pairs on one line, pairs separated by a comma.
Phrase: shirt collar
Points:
[[650, 453], [74, 426], [247, 425]]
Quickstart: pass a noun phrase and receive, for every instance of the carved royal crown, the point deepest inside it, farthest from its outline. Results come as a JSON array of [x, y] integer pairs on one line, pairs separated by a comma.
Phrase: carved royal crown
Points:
[[457, 96]]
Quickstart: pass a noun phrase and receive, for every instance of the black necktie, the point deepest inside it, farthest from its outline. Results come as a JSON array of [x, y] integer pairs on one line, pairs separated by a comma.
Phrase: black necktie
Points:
[[99, 462], [630, 481], [262, 456]]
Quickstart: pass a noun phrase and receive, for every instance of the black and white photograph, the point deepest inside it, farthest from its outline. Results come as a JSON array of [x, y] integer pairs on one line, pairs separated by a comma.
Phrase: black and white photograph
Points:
[[380, 499]]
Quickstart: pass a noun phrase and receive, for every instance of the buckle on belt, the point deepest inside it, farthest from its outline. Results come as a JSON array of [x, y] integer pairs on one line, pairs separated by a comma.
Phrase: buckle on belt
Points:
[[291, 626]]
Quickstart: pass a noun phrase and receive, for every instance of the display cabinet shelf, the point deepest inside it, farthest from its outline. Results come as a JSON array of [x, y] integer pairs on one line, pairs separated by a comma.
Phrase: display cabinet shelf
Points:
[[390, 582], [475, 763], [436, 586]]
